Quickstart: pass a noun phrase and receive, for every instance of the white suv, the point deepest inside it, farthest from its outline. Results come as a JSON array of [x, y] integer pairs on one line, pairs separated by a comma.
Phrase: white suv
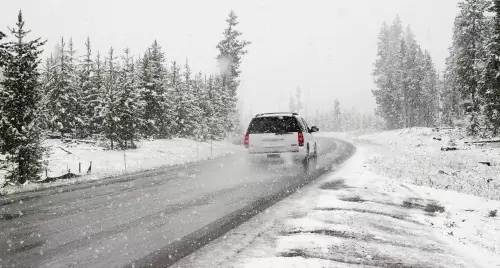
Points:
[[281, 135]]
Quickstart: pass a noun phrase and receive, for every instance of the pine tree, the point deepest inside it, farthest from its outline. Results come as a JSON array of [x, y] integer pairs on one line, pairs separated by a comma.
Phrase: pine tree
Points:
[[218, 98], [491, 92], [405, 78], [3, 60], [231, 49], [3, 51], [48, 75], [108, 111], [199, 98], [63, 94], [414, 101], [95, 98], [20, 106], [450, 95], [155, 93], [75, 93], [469, 54], [216, 120], [203, 103], [401, 90], [291, 104], [211, 108], [89, 95], [430, 89], [387, 74], [176, 87], [187, 109], [160, 87], [382, 78], [298, 100], [128, 107], [337, 116], [148, 96]]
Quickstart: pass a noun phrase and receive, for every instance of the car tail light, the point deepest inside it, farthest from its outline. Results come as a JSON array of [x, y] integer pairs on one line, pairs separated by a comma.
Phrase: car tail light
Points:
[[246, 141], [301, 139]]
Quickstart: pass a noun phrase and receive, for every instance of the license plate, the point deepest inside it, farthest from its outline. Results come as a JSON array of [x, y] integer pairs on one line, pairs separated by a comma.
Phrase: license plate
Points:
[[273, 156]]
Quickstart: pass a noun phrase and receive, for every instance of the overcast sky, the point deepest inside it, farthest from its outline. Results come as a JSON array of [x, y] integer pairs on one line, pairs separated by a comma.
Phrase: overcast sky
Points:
[[327, 48]]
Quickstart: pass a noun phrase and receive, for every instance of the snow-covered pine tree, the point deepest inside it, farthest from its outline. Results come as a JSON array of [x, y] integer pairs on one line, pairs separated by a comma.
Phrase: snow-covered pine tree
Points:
[[185, 103], [3, 51], [160, 88], [210, 109], [401, 87], [430, 92], [382, 78], [387, 76], [298, 100], [491, 92], [449, 93], [154, 92], [203, 102], [231, 49], [469, 33], [410, 36], [108, 110], [291, 104], [176, 87], [3, 60], [63, 94], [148, 96], [95, 98], [187, 110], [20, 106], [89, 95], [76, 94], [48, 75], [413, 97], [213, 110], [400, 74], [129, 106], [219, 104], [199, 99], [337, 116]]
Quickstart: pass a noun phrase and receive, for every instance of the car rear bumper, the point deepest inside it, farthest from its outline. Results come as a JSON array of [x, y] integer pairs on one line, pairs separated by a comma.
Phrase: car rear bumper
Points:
[[295, 156]]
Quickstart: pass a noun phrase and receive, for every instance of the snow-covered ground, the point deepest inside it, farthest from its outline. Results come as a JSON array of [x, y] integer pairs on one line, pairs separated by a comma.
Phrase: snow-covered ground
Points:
[[150, 155], [361, 216], [415, 156]]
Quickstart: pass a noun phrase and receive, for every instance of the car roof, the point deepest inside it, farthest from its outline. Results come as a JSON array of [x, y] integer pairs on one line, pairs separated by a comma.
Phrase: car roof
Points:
[[276, 114]]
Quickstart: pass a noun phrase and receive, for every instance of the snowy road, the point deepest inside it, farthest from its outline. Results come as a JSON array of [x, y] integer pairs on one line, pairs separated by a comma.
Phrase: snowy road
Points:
[[146, 219]]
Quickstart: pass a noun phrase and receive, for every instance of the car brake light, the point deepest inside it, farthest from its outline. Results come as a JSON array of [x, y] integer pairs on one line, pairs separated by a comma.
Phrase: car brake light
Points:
[[301, 139], [246, 141]]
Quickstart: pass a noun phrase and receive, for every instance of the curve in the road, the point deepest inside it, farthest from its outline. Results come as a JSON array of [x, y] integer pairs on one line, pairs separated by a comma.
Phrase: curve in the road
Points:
[[172, 253], [149, 219]]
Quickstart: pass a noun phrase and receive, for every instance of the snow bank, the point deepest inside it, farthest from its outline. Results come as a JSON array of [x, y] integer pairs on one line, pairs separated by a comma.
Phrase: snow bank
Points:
[[150, 154]]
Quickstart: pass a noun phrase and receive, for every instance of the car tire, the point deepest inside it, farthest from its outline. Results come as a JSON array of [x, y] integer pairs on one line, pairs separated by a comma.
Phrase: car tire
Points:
[[316, 155], [306, 162], [310, 163]]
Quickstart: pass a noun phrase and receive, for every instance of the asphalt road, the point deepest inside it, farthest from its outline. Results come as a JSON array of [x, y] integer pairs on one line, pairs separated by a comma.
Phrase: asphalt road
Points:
[[146, 219]]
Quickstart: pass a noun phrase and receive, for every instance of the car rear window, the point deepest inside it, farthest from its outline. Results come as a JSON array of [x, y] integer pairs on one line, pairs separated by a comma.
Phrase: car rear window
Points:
[[273, 124]]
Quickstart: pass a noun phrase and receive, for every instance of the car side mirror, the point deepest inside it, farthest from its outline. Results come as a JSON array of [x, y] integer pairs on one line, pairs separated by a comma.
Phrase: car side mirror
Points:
[[314, 129]]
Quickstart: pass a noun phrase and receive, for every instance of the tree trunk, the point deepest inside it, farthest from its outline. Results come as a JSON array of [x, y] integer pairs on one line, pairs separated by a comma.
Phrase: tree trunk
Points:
[[21, 169]]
